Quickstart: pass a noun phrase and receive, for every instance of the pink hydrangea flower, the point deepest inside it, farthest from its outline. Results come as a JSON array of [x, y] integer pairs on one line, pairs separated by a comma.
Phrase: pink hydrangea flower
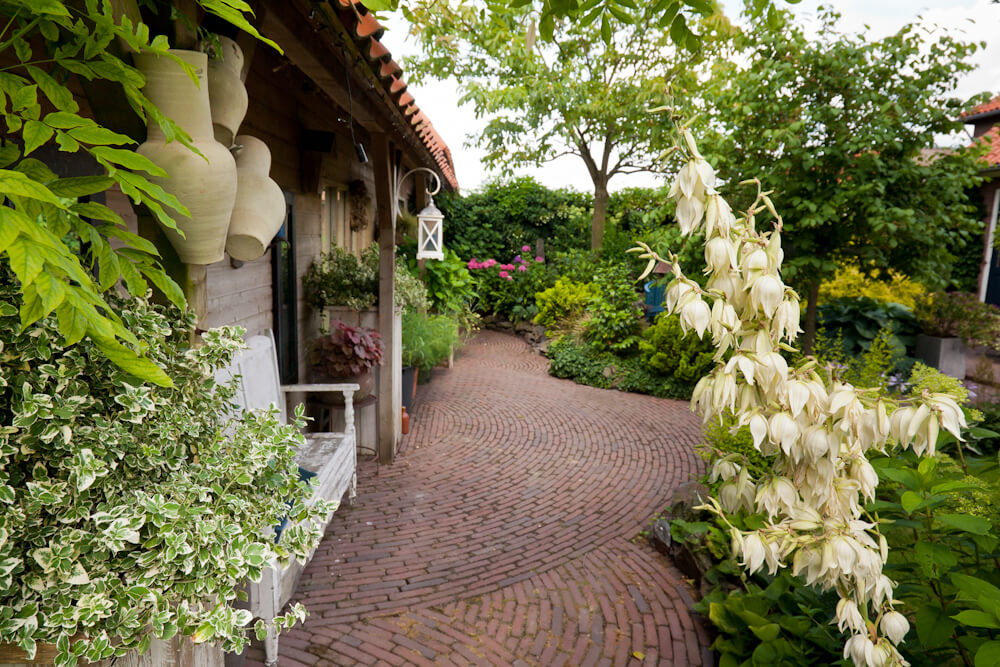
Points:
[[504, 274], [526, 248], [522, 268], [488, 263], [473, 264], [510, 277], [507, 267], [539, 259]]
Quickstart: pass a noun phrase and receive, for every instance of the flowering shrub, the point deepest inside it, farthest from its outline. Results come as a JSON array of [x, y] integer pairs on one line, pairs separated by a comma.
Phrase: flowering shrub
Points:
[[508, 290], [815, 430], [133, 511]]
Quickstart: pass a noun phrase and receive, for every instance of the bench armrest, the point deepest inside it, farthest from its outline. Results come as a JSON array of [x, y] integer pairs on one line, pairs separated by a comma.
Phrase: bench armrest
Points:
[[347, 389], [321, 387]]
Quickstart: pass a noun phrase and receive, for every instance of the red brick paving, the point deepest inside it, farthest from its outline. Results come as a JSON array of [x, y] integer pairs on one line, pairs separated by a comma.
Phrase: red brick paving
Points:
[[504, 533]]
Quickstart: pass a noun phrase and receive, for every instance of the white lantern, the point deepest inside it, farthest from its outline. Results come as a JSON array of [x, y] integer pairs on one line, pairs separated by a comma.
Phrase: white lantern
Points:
[[430, 234]]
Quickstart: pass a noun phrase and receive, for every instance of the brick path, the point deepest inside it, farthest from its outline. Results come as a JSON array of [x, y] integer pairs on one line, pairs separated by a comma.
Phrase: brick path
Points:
[[505, 532]]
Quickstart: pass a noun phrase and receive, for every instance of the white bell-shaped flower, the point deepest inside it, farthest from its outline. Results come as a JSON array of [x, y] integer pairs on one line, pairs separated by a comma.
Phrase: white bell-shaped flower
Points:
[[766, 294]]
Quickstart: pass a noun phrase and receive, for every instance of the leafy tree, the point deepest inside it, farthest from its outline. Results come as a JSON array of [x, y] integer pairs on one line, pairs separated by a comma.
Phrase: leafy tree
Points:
[[586, 93], [57, 243], [840, 127], [501, 217]]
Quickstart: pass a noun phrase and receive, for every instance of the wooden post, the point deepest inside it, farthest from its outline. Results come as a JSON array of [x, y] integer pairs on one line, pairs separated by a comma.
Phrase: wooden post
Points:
[[387, 255]]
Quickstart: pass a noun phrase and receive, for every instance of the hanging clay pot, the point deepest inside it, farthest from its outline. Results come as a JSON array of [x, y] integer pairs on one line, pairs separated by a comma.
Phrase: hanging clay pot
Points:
[[205, 185], [260, 204], [226, 91]]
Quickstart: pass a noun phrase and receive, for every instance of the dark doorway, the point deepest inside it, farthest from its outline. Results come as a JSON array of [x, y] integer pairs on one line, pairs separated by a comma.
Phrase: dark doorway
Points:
[[283, 290]]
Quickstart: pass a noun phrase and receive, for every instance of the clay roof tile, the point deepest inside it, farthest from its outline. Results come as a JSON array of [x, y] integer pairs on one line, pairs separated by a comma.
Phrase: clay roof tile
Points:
[[369, 33]]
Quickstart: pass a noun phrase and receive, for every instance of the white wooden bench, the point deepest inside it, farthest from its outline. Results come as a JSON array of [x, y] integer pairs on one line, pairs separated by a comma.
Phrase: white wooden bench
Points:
[[332, 456]]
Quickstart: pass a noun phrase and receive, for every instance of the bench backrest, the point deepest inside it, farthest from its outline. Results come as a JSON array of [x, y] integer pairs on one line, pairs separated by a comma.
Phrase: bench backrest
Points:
[[258, 365]]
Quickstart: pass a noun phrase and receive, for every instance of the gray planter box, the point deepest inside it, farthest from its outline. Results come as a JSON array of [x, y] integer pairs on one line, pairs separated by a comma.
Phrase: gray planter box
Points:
[[945, 354]]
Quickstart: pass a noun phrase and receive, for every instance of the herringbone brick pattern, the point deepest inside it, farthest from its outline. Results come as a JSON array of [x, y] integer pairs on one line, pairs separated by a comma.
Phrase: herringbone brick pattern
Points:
[[504, 533]]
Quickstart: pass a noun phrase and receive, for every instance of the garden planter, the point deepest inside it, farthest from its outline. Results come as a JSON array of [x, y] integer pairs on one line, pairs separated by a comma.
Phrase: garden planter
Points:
[[945, 354], [226, 91], [259, 210], [205, 185], [409, 385]]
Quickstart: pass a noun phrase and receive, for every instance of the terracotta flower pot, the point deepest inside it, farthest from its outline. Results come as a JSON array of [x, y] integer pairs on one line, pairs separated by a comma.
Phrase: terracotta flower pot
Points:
[[205, 185], [260, 205], [226, 91]]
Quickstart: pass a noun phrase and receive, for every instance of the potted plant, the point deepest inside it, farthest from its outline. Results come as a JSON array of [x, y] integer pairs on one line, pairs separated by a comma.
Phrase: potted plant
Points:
[[427, 341], [950, 322], [338, 278], [346, 354], [134, 512]]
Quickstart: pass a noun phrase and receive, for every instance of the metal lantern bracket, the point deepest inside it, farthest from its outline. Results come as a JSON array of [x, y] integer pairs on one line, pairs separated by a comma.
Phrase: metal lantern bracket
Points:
[[429, 221]]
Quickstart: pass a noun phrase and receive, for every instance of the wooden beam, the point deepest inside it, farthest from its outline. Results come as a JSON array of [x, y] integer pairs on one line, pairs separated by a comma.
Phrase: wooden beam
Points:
[[313, 51], [307, 50], [382, 167]]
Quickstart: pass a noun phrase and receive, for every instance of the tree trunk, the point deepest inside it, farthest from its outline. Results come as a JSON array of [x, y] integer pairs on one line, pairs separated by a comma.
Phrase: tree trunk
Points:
[[809, 337], [600, 214]]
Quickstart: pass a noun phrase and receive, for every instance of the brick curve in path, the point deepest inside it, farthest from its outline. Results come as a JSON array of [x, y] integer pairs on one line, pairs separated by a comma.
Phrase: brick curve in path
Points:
[[505, 531]]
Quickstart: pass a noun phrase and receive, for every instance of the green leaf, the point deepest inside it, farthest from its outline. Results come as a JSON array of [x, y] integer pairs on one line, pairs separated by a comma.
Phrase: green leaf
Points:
[[977, 619], [80, 186], [132, 279], [32, 306], [108, 267], [966, 522], [8, 231], [934, 627], [52, 7], [766, 633], [26, 259], [35, 134], [72, 323], [128, 159], [16, 183], [59, 95], [988, 654], [973, 588], [98, 135], [51, 290], [165, 284], [9, 153], [64, 120], [131, 362], [911, 501], [96, 211]]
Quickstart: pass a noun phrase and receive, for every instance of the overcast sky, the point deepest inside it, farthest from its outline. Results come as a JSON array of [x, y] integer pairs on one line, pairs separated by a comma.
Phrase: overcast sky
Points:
[[977, 19]]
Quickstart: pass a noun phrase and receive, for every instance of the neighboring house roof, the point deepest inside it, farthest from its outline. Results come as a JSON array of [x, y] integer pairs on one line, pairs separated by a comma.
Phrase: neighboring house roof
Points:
[[992, 156], [367, 33], [982, 111], [929, 155]]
